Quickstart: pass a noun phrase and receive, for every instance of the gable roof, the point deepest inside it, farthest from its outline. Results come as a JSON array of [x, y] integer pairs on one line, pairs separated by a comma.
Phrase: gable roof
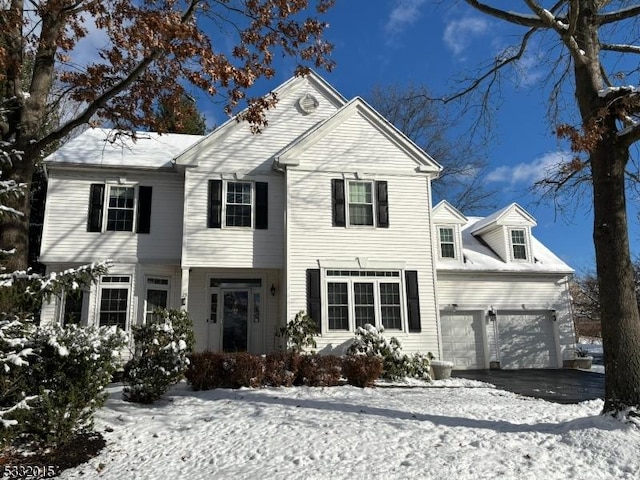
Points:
[[498, 218], [188, 157], [478, 257], [445, 209], [104, 147], [289, 156]]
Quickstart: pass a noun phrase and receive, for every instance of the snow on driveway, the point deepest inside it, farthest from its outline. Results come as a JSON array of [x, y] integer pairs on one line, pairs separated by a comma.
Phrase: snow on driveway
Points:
[[453, 429]]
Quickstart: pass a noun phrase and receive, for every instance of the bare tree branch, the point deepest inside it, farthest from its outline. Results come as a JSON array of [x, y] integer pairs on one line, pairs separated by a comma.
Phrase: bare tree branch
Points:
[[511, 17], [622, 48], [622, 14]]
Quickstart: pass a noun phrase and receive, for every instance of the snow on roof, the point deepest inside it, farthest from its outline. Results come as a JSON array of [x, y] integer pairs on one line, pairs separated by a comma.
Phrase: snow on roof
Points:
[[479, 257], [103, 147]]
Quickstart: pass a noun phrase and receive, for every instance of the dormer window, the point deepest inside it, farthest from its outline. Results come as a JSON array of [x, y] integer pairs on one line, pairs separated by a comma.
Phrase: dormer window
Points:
[[518, 245], [447, 245]]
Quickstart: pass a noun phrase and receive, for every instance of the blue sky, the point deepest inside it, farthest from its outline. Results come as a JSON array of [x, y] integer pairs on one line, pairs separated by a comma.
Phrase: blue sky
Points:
[[434, 43], [398, 42]]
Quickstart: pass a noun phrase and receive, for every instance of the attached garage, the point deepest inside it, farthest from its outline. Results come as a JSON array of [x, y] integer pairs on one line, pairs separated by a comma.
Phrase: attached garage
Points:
[[463, 339], [526, 340]]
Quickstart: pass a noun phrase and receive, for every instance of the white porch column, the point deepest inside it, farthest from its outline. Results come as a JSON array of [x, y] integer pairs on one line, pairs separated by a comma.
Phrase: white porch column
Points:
[[184, 290]]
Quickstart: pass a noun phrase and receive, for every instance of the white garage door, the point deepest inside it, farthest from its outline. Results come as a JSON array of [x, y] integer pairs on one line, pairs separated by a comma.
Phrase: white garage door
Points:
[[526, 340], [462, 339]]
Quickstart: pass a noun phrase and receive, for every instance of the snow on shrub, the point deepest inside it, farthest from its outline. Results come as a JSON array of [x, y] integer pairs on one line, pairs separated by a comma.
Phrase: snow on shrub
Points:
[[396, 365], [160, 356], [299, 332], [61, 383]]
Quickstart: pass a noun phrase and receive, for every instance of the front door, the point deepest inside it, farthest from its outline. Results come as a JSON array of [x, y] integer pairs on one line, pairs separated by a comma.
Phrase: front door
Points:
[[235, 319]]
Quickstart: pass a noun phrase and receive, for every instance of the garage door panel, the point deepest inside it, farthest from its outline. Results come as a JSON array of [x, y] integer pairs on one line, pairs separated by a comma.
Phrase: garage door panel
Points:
[[526, 340], [462, 339]]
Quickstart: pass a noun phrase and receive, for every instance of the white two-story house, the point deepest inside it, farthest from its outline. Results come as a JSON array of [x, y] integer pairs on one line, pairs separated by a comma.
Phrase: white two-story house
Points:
[[327, 210]]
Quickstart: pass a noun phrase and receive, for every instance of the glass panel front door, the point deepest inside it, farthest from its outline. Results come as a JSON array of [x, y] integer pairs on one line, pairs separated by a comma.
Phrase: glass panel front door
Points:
[[235, 316]]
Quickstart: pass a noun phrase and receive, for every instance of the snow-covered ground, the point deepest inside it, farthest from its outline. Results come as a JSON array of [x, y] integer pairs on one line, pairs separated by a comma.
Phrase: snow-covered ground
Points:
[[450, 429]]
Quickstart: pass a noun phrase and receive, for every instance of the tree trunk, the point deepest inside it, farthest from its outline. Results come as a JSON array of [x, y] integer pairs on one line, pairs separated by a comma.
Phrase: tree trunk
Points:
[[619, 308], [14, 230]]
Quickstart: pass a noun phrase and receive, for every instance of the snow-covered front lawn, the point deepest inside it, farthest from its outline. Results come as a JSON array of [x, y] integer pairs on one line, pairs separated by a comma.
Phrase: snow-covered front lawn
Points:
[[453, 429]]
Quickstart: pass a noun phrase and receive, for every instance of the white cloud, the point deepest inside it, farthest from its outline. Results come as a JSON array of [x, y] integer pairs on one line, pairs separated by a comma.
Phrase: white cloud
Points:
[[458, 34], [403, 15], [528, 173]]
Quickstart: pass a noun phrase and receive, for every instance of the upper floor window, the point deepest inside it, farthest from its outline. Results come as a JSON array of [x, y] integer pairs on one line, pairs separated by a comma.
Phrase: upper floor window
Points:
[[115, 208], [447, 245], [365, 204], [238, 204], [361, 203], [518, 244], [120, 209]]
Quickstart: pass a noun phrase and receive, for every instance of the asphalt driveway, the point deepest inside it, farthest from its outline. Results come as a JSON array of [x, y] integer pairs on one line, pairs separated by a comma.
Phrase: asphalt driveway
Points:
[[562, 385]]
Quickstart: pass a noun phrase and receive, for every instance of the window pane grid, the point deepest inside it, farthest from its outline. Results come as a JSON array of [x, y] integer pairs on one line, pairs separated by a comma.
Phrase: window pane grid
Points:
[[113, 307], [120, 211], [361, 203], [364, 304], [338, 300], [518, 244], [238, 205], [390, 305]]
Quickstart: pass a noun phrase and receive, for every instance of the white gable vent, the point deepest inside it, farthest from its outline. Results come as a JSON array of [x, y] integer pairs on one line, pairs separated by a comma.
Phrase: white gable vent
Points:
[[308, 103]]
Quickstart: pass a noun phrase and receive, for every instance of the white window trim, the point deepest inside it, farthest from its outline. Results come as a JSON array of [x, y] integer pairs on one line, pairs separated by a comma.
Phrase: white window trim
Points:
[[453, 241], [105, 206], [223, 222], [526, 243], [347, 202], [351, 300], [62, 305], [120, 285]]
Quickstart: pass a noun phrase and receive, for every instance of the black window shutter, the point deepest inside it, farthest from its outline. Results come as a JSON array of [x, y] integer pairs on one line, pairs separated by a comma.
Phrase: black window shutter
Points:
[[313, 296], [337, 202], [413, 300], [382, 204], [262, 205], [96, 204], [214, 213], [144, 209]]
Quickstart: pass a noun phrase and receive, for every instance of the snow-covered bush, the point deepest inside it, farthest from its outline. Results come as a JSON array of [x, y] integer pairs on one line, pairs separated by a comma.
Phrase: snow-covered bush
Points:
[[61, 382], [299, 332], [396, 365], [160, 356]]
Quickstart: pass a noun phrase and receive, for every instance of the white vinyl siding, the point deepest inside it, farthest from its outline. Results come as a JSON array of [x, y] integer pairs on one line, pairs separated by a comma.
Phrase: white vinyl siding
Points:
[[231, 247], [406, 242], [65, 237], [524, 294]]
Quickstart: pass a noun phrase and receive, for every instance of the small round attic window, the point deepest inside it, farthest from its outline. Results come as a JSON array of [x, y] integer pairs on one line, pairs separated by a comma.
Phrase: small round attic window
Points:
[[308, 103]]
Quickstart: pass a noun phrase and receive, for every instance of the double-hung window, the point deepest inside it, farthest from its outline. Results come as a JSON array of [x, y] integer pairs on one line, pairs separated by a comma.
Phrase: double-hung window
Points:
[[119, 208], [447, 245], [359, 203], [240, 204], [114, 300], [359, 297], [518, 244]]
